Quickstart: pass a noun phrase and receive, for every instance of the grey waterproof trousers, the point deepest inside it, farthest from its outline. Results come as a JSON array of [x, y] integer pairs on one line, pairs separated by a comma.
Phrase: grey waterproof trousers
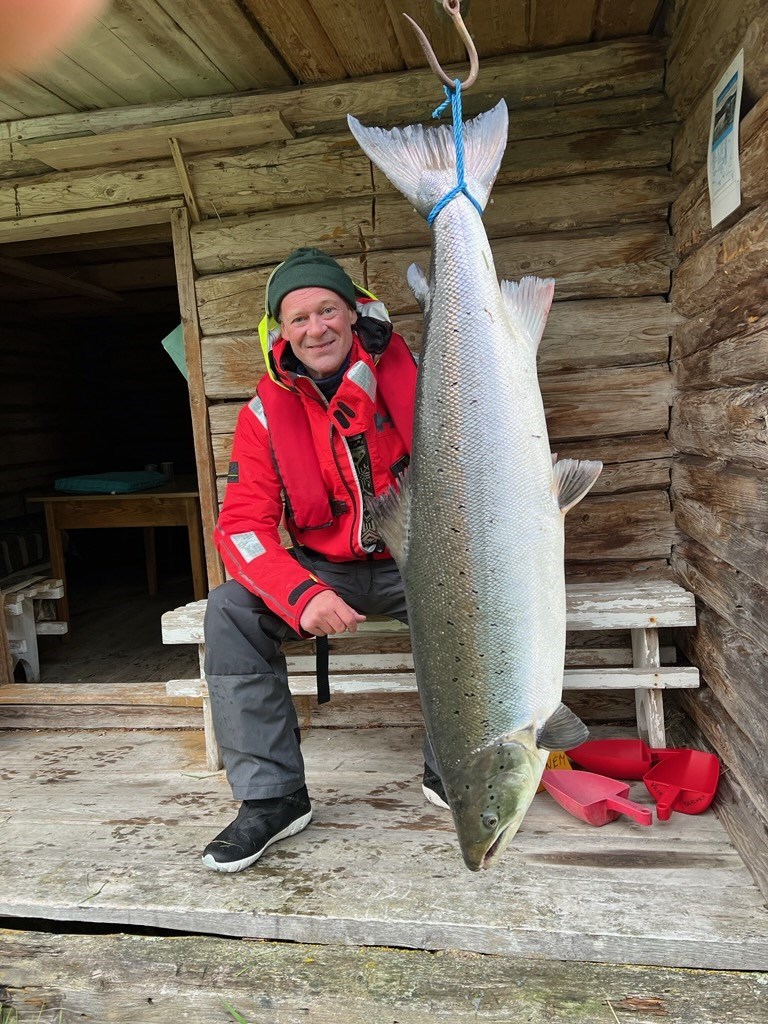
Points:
[[253, 714]]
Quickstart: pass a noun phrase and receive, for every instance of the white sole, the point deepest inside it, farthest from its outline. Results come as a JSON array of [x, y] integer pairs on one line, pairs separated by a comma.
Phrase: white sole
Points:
[[434, 798], [240, 865]]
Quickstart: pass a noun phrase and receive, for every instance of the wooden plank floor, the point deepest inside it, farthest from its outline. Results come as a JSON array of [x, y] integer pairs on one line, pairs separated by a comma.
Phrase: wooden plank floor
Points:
[[125, 979], [115, 633], [108, 827]]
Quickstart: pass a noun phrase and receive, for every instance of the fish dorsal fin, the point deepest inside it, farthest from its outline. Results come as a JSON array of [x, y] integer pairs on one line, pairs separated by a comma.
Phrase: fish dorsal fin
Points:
[[391, 514], [528, 302], [421, 161], [562, 730], [419, 285], [573, 478]]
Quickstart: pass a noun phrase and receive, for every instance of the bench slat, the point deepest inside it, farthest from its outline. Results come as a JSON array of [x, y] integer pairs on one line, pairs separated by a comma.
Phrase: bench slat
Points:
[[405, 682], [642, 605]]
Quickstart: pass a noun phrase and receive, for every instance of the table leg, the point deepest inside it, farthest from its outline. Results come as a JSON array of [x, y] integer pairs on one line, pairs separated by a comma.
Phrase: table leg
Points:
[[57, 565], [196, 549], [151, 559]]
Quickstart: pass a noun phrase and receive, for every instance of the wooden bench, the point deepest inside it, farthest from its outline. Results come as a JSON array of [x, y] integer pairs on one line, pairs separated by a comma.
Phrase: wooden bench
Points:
[[22, 599], [377, 658]]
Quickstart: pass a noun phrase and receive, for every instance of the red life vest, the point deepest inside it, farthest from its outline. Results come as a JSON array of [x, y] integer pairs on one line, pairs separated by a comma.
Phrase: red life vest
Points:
[[372, 391]]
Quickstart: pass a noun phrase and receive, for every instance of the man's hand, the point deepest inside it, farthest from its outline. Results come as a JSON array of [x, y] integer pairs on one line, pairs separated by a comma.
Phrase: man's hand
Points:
[[328, 613]]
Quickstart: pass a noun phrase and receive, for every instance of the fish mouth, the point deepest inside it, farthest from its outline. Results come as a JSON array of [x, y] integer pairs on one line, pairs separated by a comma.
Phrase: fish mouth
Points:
[[494, 849]]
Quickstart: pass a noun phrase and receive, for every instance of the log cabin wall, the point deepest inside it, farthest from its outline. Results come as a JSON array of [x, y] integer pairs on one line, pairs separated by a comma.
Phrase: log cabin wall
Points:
[[583, 194], [720, 359]]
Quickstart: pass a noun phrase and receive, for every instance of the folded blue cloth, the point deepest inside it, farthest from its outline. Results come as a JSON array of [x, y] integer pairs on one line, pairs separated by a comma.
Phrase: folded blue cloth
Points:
[[109, 483]]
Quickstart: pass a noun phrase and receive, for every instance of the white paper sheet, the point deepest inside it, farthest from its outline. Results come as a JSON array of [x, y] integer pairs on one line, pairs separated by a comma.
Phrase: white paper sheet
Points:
[[723, 170]]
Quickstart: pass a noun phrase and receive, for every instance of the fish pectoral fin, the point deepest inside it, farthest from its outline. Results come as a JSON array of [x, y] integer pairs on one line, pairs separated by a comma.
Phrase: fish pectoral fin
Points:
[[573, 478], [562, 730], [528, 302], [419, 285], [391, 513]]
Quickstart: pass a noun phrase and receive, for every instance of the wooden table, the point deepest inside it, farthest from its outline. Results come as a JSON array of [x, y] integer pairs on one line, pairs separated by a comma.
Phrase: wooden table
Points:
[[173, 504]]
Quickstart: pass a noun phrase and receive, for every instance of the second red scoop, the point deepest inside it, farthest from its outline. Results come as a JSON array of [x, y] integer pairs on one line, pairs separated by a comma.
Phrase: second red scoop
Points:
[[593, 798], [620, 759]]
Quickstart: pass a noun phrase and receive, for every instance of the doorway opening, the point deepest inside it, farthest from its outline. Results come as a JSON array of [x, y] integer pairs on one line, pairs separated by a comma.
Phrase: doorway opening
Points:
[[89, 387]]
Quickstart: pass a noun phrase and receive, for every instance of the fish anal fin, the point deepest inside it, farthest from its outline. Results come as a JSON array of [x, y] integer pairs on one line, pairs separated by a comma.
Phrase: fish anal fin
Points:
[[391, 512], [528, 302], [573, 478], [562, 730]]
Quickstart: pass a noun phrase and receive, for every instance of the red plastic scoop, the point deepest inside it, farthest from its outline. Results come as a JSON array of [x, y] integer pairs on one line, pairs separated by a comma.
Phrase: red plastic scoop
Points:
[[686, 781], [593, 798], [620, 759]]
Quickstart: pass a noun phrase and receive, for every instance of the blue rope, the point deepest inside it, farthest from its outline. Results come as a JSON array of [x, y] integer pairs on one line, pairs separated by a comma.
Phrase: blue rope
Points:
[[453, 97]]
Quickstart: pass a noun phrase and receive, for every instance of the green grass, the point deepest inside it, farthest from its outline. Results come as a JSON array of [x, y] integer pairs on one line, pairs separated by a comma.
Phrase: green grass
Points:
[[238, 1017]]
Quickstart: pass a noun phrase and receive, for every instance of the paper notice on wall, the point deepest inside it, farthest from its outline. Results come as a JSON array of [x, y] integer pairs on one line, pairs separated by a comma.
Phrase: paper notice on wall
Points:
[[723, 169]]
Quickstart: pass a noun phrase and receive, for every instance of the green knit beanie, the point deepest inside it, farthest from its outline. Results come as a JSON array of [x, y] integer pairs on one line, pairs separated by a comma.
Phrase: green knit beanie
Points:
[[308, 268]]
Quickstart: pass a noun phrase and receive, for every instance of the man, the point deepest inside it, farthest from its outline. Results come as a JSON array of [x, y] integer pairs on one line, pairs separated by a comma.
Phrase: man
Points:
[[330, 426]]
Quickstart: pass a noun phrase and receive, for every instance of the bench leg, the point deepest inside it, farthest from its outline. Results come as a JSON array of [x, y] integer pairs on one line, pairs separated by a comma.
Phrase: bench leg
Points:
[[649, 704], [213, 759], [22, 628]]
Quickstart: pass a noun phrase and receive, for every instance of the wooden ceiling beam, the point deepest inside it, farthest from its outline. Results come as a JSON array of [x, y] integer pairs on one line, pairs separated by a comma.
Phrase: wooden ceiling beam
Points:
[[620, 67], [29, 272]]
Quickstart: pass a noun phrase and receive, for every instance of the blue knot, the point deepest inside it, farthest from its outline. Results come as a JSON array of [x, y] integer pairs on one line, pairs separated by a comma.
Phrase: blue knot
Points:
[[453, 98]]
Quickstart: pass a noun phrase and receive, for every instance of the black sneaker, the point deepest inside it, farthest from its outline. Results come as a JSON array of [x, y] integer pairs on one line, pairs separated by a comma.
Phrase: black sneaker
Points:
[[432, 788], [258, 824]]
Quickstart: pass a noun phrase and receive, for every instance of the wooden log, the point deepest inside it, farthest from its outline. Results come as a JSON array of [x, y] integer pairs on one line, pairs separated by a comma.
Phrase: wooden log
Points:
[[703, 43], [618, 68], [602, 263], [745, 826], [615, 571], [151, 143], [233, 364], [731, 261], [691, 213], [735, 597], [60, 193], [734, 667], [107, 218], [158, 978], [734, 361], [631, 526], [737, 750], [592, 416], [617, 197], [599, 263], [599, 333], [726, 423], [734, 316], [569, 417], [14, 163], [628, 463], [736, 494], [689, 151], [623, 112], [739, 546]]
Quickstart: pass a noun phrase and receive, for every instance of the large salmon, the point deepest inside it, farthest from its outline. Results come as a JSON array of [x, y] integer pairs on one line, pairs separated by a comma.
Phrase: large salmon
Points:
[[477, 527]]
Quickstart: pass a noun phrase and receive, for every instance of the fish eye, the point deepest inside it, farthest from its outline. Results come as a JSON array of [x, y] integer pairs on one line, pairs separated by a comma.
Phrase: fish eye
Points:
[[490, 821]]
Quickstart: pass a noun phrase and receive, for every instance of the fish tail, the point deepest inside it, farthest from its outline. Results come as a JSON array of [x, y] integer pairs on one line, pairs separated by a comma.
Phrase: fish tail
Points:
[[421, 161]]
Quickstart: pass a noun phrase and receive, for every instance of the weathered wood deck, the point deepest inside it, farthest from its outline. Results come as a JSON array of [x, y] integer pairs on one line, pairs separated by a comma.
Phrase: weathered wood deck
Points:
[[125, 979], [108, 827]]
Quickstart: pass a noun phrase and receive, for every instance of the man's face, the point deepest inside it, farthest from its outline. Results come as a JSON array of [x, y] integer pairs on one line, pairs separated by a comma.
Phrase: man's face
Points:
[[318, 325]]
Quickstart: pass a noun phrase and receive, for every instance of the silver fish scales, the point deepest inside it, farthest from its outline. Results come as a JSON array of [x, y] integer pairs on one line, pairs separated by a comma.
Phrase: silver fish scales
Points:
[[478, 526]]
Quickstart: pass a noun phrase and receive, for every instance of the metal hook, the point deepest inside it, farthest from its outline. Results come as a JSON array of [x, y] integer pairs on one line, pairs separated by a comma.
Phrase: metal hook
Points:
[[453, 9]]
